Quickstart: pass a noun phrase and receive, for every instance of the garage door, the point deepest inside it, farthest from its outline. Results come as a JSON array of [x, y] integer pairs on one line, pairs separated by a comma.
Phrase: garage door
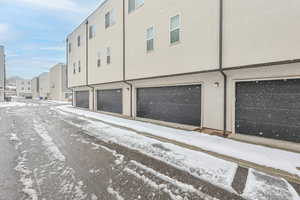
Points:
[[110, 101], [178, 104], [269, 109], [82, 99]]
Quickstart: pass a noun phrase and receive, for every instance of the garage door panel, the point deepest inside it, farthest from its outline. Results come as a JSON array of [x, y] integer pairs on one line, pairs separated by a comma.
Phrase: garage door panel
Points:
[[281, 101], [291, 117], [278, 86], [269, 108], [82, 99], [110, 101], [180, 104]]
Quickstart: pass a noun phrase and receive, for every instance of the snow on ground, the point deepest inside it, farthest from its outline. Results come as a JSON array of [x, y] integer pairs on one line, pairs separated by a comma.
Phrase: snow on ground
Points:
[[264, 187], [198, 164], [47, 141], [26, 177], [11, 104], [185, 187], [269, 157], [114, 193], [58, 102]]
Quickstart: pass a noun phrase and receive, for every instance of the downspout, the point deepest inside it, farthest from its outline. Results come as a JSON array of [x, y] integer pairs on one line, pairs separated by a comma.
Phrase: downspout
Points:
[[67, 70], [124, 60], [87, 63], [221, 22], [4, 89]]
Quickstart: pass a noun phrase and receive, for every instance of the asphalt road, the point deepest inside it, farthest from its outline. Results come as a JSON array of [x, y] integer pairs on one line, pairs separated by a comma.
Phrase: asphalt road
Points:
[[44, 157]]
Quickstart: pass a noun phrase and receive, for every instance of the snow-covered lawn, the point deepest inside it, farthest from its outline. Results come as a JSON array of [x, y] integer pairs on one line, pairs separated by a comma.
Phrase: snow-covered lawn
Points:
[[269, 157]]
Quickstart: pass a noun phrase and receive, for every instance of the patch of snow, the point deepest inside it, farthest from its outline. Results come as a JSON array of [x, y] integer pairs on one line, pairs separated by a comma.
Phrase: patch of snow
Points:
[[265, 156], [114, 193], [47, 141], [198, 164], [11, 104], [184, 187], [25, 177], [94, 197], [264, 187]]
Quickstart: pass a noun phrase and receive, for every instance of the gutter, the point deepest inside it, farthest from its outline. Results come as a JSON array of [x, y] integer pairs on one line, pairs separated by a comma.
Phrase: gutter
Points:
[[221, 22], [124, 60], [87, 63]]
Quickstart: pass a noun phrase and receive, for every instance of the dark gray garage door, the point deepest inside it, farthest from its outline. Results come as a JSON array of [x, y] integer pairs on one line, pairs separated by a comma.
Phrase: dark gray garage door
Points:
[[269, 109], [178, 104], [110, 101], [82, 99]]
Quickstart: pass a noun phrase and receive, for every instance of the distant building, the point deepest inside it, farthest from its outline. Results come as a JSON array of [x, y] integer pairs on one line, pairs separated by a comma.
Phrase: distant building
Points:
[[24, 88], [44, 85], [12, 81], [10, 91], [58, 84], [35, 88], [2, 73]]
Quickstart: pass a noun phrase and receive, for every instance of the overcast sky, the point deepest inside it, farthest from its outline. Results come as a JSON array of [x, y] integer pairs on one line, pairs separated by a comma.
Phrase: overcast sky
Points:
[[34, 31]]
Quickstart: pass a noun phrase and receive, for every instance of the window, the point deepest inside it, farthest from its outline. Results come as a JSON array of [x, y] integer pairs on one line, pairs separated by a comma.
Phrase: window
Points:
[[78, 41], [79, 66], [74, 68], [150, 39], [70, 47], [110, 18], [134, 4], [92, 32], [99, 60], [108, 56], [175, 29]]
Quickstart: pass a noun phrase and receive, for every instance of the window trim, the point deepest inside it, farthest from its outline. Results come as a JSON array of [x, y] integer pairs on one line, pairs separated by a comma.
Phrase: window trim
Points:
[[135, 6], [92, 31], [79, 66], [111, 20], [148, 39], [108, 55], [78, 41], [171, 30]]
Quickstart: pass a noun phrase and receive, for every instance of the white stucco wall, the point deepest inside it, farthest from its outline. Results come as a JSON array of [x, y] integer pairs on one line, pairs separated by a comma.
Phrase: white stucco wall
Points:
[[44, 85]]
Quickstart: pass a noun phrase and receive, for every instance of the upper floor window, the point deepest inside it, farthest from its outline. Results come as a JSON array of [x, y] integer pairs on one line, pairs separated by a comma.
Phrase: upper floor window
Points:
[[74, 68], [79, 66], [99, 60], [92, 31], [108, 55], [110, 18], [150, 39], [134, 4], [78, 41], [70, 47], [175, 29]]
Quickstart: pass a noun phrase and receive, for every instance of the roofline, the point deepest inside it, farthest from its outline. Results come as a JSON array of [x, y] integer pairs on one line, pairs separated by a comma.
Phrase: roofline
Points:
[[86, 19]]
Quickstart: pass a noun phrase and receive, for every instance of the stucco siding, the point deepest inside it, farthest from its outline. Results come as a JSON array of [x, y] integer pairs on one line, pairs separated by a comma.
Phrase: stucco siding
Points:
[[261, 31], [198, 46], [111, 37]]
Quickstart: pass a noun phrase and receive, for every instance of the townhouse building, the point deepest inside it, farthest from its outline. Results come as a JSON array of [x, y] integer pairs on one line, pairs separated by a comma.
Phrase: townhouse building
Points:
[[2, 74], [44, 85], [23, 87], [223, 66], [35, 88], [58, 84]]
